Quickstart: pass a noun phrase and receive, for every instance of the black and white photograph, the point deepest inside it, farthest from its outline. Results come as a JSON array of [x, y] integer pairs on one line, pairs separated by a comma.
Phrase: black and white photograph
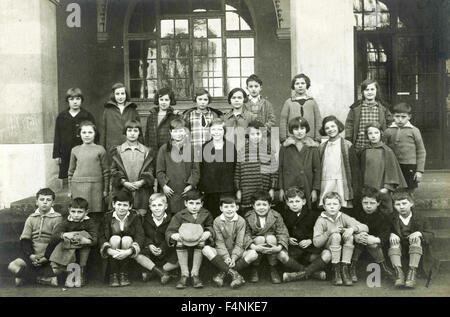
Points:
[[217, 154]]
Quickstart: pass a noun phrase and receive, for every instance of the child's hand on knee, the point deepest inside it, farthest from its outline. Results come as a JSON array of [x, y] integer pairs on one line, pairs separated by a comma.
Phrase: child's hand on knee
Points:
[[361, 238], [394, 239], [347, 233], [305, 243], [293, 241], [205, 236], [414, 237], [371, 240]]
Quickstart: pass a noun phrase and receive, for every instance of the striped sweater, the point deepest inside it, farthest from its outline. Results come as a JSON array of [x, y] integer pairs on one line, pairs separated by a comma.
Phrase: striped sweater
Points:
[[255, 171]]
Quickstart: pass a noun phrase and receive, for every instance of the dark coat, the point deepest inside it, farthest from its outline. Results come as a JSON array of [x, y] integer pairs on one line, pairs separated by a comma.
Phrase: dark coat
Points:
[[133, 228], [157, 135], [300, 169], [274, 226], [354, 117], [113, 124], [379, 224], [218, 176], [421, 224], [155, 235], [118, 173], [204, 218], [66, 136], [87, 225], [300, 227], [392, 174]]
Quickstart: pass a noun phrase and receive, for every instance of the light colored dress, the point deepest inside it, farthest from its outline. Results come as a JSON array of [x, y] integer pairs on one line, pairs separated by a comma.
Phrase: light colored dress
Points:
[[332, 172]]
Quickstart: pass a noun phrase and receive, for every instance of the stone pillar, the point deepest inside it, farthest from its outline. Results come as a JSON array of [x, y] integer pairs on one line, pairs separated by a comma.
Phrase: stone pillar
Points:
[[29, 98], [322, 48]]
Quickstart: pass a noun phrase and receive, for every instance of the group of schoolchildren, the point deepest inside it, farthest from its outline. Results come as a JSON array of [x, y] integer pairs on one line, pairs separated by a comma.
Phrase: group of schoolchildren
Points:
[[206, 184]]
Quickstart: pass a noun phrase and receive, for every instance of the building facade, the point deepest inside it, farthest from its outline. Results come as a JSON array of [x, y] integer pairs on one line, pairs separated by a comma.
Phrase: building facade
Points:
[[49, 46]]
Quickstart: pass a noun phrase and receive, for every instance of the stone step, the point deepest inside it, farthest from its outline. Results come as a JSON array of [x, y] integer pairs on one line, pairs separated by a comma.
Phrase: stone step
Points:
[[434, 190], [439, 219]]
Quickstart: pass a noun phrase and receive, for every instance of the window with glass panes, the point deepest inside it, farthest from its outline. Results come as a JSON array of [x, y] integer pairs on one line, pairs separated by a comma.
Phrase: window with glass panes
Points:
[[187, 45]]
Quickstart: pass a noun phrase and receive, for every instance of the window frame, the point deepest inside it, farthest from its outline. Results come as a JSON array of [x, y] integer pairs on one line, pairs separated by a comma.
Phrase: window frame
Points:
[[156, 36]]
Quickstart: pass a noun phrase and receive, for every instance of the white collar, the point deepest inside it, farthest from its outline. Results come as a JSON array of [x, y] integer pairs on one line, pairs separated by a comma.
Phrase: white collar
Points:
[[255, 99], [117, 217], [235, 218], [407, 125], [125, 146], [324, 215], [405, 220], [86, 217], [337, 141], [52, 211]]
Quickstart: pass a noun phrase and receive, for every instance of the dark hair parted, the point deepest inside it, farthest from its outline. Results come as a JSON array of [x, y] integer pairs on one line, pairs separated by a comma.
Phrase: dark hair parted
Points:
[[201, 92], [79, 202], [376, 125], [294, 191], [402, 107], [401, 194], [162, 92], [123, 195], [132, 124], [88, 123], [177, 123], [255, 124], [117, 86], [46, 192], [235, 90], [306, 78], [219, 121], [261, 195], [254, 78], [193, 194], [366, 83], [339, 124], [370, 192], [74, 92], [227, 199], [298, 122]]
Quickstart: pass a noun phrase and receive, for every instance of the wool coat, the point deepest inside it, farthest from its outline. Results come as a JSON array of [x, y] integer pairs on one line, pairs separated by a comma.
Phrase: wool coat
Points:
[[262, 111], [354, 116], [274, 226], [421, 224], [217, 172], [230, 236], [113, 123], [158, 134], [133, 228], [154, 234], [379, 224], [177, 171], [301, 169], [118, 173], [300, 226], [389, 175], [204, 218], [311, 113], [67, 137]]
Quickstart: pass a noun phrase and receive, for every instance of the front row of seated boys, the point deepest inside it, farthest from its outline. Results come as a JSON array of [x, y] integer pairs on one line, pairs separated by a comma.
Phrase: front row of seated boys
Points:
[[303, 240]]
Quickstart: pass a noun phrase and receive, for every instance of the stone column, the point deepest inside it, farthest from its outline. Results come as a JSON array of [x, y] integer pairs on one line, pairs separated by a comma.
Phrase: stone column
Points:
[[29, 98], [322, 48]]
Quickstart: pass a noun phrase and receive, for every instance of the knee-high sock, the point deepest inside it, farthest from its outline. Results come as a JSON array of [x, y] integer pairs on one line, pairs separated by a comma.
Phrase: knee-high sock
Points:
[[241, 264], [196, 261], [182, 254], [335, 253], [377, 254], [347, 252], [415, 253], [293, 265], [395, 254]]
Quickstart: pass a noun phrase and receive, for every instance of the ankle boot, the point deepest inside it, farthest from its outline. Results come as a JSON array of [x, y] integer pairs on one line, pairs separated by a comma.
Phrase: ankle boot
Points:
[[163, 274], [337, 278], [124, 280], [294, 276], [399, 276], [411, 278], [274, 275], [386, 271], [353, 272], [236, 279], [346, 275], [114, 280], [254, 276]]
